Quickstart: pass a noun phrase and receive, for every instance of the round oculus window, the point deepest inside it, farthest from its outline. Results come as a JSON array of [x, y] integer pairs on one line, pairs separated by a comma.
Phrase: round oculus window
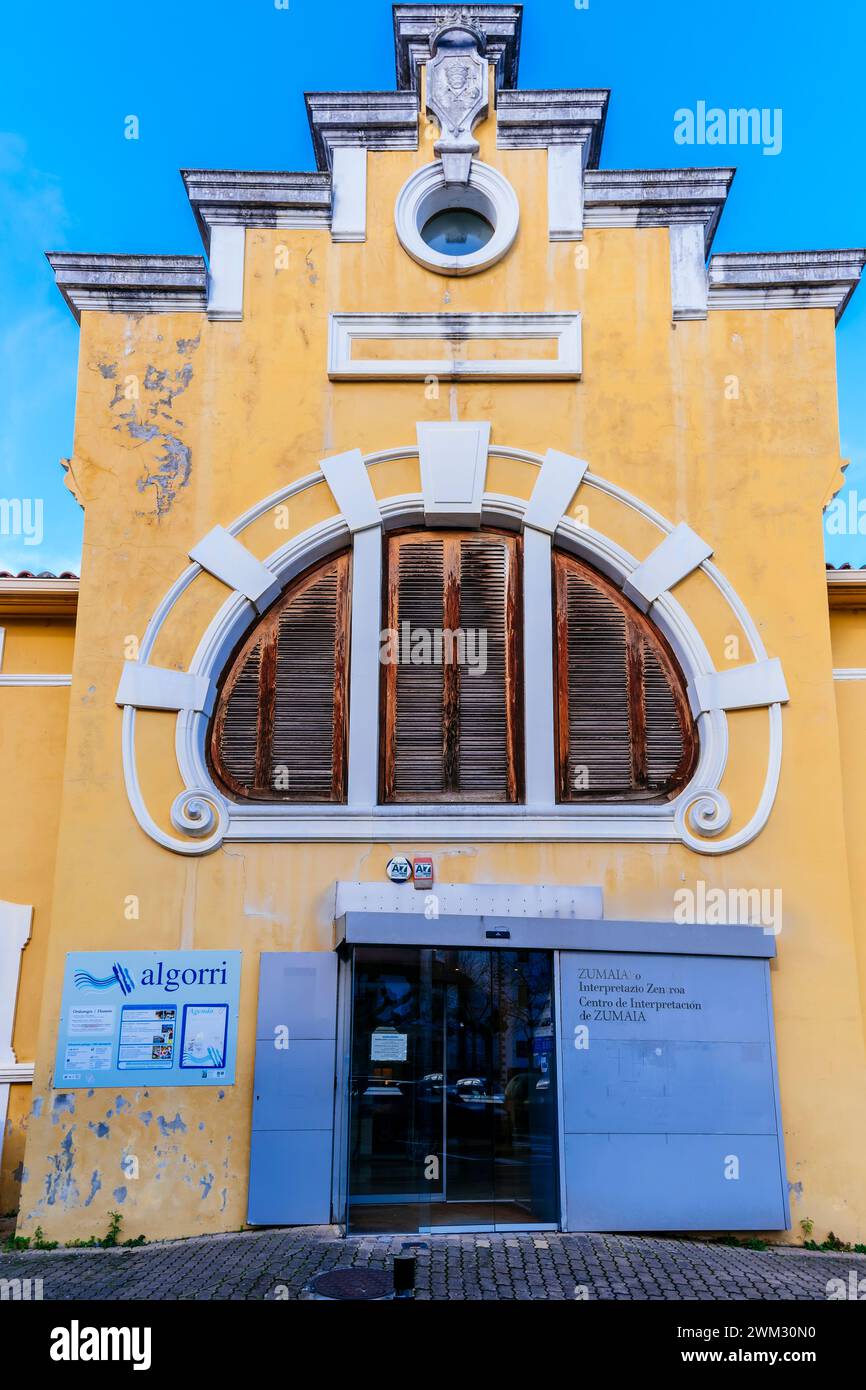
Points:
[[457, 229], [457, 232]]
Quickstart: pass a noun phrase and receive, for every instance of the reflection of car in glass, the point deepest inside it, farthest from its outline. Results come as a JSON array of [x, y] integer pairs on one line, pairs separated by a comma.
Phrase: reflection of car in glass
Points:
[[472, 1090], [521, 1092]]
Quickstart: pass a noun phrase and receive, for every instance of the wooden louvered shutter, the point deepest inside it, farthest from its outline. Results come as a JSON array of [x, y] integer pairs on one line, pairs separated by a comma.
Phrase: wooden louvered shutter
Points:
[[452, 702], [624, 729], [279, 732]]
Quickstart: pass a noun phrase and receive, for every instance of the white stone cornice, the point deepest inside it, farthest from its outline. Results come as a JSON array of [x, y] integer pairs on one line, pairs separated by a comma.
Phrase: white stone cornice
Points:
[[849, 673], [414, 24], [845, 588], [374, 120], [28, 681], [130, 284], [25, 596], [239, 197], [16, 1074], [536, 120], [656, 197], [785, 279]]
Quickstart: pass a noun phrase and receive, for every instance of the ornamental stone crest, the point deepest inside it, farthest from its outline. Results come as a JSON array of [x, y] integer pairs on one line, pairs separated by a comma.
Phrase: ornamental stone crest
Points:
[[457, 93]]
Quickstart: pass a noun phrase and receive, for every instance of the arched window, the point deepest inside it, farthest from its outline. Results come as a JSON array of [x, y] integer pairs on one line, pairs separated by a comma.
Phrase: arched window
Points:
[[624, 728], [279, 732], [452, 678], [452, 694]]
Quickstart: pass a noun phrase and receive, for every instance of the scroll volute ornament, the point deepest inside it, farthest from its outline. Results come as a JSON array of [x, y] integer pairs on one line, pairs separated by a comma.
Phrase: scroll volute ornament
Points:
[[457, 94]]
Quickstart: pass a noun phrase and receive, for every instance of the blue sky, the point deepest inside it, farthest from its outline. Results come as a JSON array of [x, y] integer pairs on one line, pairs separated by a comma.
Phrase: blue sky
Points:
[[219, 84]]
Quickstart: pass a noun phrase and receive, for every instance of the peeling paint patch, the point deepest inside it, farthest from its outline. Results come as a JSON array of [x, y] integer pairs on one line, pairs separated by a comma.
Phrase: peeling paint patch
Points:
[[121, 1104], [201, 1124], [20, 1173], [146, 1116], [95, 1185], [119, 1195], [144, 432], [64, 1104], [796, 1189], [224, 1195], [175, 466], [108, 370], [167, 1127], [101, 1130], [60, 1185], [221, 1095], [185, 345], [36, 1107], [206, 1183]]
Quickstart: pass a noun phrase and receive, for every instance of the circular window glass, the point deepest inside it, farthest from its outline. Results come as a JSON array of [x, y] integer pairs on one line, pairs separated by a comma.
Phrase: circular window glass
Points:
[[457, 232]]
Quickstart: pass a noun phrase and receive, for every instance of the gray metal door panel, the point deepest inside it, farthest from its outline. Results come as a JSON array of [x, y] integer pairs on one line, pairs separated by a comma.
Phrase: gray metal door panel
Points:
[[670, 1101], [294, 1087], [297, 991], [290, 1178], [293, 1109]]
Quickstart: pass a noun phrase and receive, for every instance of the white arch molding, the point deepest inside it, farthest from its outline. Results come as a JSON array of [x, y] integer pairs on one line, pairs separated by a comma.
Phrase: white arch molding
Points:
[[204, 818]]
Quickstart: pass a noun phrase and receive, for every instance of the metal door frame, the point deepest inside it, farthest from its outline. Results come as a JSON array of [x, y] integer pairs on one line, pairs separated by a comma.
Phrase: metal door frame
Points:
[[342, 1099]]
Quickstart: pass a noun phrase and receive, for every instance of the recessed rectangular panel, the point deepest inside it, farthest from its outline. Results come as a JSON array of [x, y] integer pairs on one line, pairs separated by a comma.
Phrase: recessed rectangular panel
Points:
[[294, 1085], [298, 992], [290, 1178], [673, 1182], [655, 1087], [677, 997], [358, 346]]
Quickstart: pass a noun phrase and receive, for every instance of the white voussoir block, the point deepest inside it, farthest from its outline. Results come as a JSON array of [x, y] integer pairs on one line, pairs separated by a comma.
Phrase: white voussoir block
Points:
[[158, 687], [560, 477], [453, 460], [227, 560], [679, 554], [742, 687], [346, 476]]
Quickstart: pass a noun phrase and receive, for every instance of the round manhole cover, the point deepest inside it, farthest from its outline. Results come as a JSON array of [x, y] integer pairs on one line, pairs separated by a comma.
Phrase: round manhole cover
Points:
[[353, 1283]]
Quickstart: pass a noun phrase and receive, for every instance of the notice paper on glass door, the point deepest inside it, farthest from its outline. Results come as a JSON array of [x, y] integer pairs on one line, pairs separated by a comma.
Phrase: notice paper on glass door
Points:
[[388, 1046]]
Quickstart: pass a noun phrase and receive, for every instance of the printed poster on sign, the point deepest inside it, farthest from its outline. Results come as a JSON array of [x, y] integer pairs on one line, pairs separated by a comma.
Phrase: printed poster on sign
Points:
[[167, 1018]]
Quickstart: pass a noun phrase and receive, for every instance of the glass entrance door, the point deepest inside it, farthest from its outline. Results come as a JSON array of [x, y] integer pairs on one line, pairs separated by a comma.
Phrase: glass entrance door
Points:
[[453, 1090]]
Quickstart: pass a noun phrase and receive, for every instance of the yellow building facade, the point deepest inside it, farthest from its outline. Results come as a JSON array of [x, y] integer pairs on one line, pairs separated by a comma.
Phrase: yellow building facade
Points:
[[460, 325]]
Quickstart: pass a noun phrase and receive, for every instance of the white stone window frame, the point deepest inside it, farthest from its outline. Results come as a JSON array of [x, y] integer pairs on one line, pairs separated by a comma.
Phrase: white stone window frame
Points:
[[697, 817], [426, 193]]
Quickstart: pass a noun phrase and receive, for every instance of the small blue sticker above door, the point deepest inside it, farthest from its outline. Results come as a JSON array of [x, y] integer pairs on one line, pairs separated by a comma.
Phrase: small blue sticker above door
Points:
[[159, 1018]]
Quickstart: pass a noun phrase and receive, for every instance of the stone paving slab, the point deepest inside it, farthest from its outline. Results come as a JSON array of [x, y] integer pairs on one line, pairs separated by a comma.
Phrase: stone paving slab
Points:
[[278, 1264]]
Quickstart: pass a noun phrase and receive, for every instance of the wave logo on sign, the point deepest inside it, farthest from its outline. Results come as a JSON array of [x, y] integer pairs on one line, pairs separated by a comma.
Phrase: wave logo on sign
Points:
[[119, 976]]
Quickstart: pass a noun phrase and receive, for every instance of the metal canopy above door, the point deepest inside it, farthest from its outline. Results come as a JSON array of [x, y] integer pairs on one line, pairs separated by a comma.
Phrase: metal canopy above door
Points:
[[550, 934]]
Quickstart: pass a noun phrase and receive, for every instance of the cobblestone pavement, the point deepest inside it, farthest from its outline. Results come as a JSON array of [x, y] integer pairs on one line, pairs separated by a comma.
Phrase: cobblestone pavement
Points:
[[280, 1263]]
